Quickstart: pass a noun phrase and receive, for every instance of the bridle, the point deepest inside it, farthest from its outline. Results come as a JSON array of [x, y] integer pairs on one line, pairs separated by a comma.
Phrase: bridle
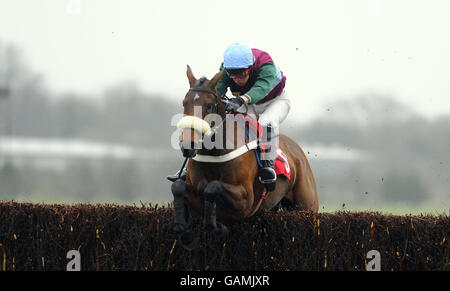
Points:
[[203, 90], [216, 104], [199, 89]]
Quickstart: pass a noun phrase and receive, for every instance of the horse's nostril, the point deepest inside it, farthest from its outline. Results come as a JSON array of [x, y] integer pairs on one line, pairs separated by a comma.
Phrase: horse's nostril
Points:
[[188, 149], [187, 153], [188, 145]]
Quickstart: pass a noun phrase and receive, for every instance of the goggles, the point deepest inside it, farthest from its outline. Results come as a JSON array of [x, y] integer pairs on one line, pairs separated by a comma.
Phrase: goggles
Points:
[[233, 73]]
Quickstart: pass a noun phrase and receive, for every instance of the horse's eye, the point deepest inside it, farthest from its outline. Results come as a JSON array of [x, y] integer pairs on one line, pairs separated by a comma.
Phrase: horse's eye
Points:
[[209, 106]]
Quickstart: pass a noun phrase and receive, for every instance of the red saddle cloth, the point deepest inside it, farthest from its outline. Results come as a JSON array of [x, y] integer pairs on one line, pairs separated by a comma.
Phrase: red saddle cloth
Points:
[[255, 130], [282, 164]]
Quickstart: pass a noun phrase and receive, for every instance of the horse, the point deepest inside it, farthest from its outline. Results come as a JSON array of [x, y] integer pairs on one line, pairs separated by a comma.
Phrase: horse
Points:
[[230, 191]]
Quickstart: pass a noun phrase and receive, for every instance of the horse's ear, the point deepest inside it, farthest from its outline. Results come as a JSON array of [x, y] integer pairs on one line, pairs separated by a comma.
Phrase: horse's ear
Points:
[[215, 80], [190, 76]]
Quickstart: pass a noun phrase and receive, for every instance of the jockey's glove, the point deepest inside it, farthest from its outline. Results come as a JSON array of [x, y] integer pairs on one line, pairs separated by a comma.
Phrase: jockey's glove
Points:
[[234, 104]]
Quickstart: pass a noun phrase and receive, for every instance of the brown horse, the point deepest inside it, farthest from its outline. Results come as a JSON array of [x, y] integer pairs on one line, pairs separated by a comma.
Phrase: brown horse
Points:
[[230, 191]]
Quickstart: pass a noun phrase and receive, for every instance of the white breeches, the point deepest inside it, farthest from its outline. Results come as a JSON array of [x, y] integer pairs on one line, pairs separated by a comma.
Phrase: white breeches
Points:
[[273, 112]]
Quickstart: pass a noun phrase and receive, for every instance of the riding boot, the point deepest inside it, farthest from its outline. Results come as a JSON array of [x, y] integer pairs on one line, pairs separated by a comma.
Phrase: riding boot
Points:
[[174, 177], [267, 174]]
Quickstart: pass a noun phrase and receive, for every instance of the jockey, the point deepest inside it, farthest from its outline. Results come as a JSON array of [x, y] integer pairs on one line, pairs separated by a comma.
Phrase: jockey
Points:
[[258, 86]]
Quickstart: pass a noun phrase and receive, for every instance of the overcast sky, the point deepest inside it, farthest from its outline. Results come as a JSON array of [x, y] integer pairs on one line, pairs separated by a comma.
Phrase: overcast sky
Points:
[[327, 49]]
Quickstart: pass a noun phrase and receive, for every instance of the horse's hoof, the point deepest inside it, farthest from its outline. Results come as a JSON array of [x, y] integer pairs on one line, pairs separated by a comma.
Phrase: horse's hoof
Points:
[[179, 228], [188, 240], [221, 230], [187, 237], [209, 227]]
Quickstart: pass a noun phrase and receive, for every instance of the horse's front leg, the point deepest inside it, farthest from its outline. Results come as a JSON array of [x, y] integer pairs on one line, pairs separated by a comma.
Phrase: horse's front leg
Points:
[[179, 192], [212, 190], [181, 214]]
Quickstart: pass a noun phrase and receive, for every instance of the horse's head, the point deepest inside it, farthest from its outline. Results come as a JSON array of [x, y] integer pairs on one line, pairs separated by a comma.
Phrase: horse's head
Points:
[[201, 99]]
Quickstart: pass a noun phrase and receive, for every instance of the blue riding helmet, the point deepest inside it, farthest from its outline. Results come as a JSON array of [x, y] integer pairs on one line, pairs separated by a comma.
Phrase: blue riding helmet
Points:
[[237, 56]]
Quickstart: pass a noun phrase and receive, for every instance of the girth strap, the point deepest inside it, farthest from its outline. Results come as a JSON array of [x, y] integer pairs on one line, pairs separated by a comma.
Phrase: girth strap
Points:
[[263, 197]]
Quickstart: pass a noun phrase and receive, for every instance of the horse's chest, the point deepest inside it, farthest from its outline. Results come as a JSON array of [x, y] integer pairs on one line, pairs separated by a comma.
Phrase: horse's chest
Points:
[[199, 183], [204, 174]]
